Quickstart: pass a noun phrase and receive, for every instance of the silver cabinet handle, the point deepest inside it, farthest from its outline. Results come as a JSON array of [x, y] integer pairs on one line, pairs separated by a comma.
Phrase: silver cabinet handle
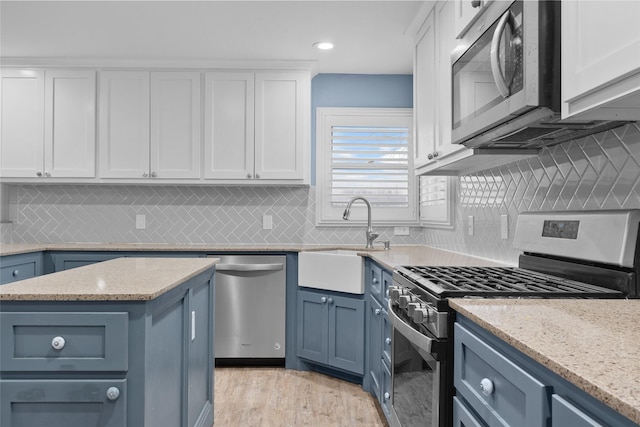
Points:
[[145, 175], [249, 267], [435, 154], [257, 176], [387, 396], [375, 280], [475, 3], [58, 343], [15, 273], [249, 175], [47, 174], [38, 173], [498, 75], [377, 311], [113, 393], [387, 341], [323, 300], [154, 175], [330, 300]]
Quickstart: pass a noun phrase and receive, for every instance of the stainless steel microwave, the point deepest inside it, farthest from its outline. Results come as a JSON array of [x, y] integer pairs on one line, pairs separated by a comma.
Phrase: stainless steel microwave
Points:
[[506, 80]]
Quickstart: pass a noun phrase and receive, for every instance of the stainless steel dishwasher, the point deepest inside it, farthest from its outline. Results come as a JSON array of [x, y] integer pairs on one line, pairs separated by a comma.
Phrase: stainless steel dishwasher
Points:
[[250, 306]]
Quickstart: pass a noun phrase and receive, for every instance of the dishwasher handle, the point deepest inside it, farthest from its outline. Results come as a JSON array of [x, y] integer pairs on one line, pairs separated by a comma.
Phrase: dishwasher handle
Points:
[[249, 267]]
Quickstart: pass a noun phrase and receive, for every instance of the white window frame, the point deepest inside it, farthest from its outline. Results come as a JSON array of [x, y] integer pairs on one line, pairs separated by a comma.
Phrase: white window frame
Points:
[[326, 214]]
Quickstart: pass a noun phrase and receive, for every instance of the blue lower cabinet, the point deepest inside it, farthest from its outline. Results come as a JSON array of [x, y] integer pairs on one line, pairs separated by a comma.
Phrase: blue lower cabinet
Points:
[[29, 403], [566, 414], [386, 390], [375, 346], [111, 363], [330, 329], [462, 416], [19, 267]]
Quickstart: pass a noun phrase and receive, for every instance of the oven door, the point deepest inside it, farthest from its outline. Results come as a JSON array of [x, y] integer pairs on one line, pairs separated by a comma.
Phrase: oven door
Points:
[[418, 378]]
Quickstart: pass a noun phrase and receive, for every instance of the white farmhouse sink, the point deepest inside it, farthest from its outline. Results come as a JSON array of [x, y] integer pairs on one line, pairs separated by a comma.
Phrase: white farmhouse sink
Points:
[[337, 270]]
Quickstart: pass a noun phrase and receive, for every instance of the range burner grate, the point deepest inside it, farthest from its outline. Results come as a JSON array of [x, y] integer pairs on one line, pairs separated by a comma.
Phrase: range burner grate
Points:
[[498, 281]]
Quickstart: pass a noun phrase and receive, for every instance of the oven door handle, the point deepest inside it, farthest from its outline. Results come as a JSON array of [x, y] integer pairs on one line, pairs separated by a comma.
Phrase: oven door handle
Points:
[[416, 338]]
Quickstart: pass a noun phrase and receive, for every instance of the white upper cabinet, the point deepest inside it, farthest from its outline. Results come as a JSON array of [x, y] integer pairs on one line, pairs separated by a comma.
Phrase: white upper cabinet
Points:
[[432, 87], [22, 126], [149, 125], [465, 12], [70, 124], [48, 124], [257, 126], [601, 60], [124, 124], [229, 123]]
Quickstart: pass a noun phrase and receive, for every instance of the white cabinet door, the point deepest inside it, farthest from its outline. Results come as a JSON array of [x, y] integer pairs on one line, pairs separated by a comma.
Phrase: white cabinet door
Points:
[[229, 125], [465, 12], [70, 124], [281, 124], [601, 59], [124, 124], [175, 125], [424, 86], [21, 123]]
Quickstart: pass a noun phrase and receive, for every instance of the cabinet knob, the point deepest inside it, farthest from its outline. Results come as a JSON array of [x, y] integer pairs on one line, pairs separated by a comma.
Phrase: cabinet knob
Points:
[[145, 175], [154, 175], [330, 300], [257, 176], [430, 156], [323, 300], [38, 173], [58, 343], [375, 280], [475, 3], [486, 385], [15, 273], [387, 341], [113, 393], [387, 396], [249, 175], [47, 174], [435, 154], [377, 311]]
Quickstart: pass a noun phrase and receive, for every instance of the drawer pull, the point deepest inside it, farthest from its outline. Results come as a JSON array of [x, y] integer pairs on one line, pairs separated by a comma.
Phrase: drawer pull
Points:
[[387, 341], [375, 280], [486, 385], [387, 396], [15, 273], [58, 343], [113, 393], [377, 311]]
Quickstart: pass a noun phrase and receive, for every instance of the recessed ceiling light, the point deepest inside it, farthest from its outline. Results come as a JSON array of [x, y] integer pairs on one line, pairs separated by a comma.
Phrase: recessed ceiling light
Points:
[[323, 45]]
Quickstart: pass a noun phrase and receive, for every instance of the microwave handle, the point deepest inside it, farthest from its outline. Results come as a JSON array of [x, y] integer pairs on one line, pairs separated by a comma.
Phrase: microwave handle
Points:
[[499, 78]]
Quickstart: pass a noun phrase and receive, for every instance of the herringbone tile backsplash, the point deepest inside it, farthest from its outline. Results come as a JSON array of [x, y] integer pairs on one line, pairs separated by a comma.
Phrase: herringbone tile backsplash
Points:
[[598, 172]]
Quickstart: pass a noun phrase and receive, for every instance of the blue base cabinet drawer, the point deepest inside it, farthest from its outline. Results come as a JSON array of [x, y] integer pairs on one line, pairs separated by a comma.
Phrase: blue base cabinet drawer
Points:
[[95, 403], [462, 416], [565, 414], [502, 393], [20, 267], [61, 342]]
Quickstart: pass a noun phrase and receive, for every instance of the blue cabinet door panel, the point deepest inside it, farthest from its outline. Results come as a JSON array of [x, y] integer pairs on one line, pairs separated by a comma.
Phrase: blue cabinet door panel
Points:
[[517, 399], [375, 285], [375, 346], [462, 416], [92, 341], [62, 403], [346, 334], [312, 327], [565, 414]]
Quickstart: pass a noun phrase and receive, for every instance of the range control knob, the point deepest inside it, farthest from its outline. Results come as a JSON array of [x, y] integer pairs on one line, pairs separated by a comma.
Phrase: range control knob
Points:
[[396, 291], [404, 300], [421, 315], [411, 308]]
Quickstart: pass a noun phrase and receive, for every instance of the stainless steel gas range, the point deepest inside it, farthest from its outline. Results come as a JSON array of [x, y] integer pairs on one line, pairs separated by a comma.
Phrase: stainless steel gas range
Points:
[[585, 254]]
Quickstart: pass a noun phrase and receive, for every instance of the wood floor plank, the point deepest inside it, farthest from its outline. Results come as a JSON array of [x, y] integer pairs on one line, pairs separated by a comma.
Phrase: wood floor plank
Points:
[[278, 397]]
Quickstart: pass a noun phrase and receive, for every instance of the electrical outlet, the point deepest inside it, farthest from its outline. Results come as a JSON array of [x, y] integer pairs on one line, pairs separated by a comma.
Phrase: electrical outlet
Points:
[[400, 231], [267, 222], [141, 222], [504, 226], [470, 225]]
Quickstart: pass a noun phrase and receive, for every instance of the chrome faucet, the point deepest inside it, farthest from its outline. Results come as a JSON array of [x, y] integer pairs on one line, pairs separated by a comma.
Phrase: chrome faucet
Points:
[[371, 236]]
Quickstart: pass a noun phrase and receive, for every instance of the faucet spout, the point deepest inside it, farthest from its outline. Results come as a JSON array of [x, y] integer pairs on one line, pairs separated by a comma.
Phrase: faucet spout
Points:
[[371, 236]]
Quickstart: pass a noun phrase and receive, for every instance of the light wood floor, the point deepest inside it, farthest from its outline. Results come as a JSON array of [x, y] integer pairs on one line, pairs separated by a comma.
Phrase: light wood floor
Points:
[[275, 397]]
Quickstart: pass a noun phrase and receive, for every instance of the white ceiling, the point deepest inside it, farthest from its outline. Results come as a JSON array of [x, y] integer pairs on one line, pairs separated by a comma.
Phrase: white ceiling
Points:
[[370, 36]]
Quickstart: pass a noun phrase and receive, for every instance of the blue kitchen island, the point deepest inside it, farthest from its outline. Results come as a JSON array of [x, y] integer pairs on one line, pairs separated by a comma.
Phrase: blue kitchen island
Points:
[[125, 342]]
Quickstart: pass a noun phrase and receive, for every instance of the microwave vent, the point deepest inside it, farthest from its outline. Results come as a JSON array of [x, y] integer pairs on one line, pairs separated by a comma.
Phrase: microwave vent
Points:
[[530, 133]]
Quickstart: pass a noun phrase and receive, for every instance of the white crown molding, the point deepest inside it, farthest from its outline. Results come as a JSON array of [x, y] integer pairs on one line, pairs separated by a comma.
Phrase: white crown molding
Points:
[[108, 63]]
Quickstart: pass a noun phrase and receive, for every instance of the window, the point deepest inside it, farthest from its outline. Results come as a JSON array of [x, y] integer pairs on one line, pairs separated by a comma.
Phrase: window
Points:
[[365, 152], [436, 201]]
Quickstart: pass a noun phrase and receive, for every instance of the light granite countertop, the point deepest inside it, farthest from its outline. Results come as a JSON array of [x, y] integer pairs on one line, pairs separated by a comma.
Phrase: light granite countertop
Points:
[[121, 279], [398, 255], [594, 344]]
